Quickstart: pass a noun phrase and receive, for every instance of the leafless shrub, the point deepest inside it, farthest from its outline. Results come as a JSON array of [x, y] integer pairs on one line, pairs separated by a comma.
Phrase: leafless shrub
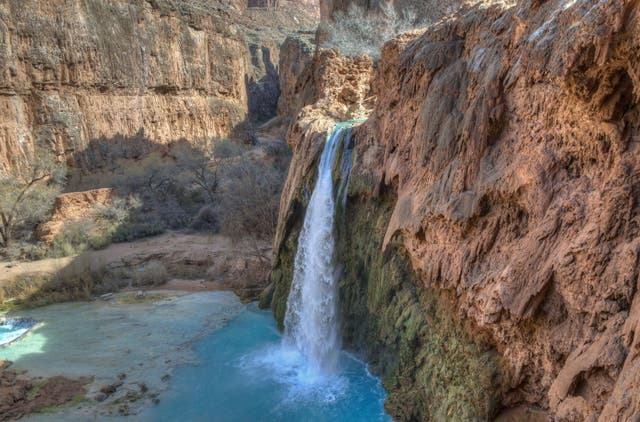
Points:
[[250, 200], [76, 281], [118, 210], [199, 168], [225, 148], [206, 219], [28, 189], [25, 249], [19, 290], [74, 237]]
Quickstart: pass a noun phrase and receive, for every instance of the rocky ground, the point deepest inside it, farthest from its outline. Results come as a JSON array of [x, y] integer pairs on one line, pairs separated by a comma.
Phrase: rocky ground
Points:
[[21, 396]]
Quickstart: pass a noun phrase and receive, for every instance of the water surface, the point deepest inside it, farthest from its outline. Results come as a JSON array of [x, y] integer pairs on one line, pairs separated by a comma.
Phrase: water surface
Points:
[[206, 356], [247, 375], [11, 329]]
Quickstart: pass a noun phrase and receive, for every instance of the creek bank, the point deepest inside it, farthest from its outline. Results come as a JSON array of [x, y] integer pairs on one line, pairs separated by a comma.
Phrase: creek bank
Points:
[[173, 261], [20, 396]]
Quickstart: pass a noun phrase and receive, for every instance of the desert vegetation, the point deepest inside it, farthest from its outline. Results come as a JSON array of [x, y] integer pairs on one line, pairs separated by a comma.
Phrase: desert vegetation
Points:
[[83, 278], [214, 185], [27, 191]]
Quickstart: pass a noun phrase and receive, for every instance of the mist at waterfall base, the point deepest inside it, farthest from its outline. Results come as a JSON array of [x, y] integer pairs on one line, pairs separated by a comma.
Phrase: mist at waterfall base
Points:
[[304, 375], [246, 375]]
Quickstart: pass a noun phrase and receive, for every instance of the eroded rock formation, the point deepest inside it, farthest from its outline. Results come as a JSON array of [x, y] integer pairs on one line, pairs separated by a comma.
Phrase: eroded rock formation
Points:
[[72, 206], [490, 245], [73, 72], [295, 73]]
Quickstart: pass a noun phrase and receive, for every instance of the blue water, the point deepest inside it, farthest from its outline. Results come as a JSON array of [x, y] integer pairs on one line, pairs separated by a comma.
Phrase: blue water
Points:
[[12, 329], [245, 374]]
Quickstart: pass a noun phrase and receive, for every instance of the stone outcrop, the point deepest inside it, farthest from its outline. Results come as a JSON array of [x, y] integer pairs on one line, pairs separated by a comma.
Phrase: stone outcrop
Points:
[[295, 73], [489, 250], [339, 86], [73, 72], [70, 207], [20, 396]]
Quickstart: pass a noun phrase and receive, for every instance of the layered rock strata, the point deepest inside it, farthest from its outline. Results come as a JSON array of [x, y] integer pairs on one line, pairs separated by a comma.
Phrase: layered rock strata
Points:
[[76, 72]]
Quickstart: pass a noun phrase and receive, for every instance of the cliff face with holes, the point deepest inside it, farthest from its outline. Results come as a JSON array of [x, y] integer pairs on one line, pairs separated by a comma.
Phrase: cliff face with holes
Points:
[[72, 73], [489, 248]]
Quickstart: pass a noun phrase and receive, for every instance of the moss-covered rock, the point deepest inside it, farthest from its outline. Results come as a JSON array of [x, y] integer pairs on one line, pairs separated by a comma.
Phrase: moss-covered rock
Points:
[[282, 275], [431, 365]]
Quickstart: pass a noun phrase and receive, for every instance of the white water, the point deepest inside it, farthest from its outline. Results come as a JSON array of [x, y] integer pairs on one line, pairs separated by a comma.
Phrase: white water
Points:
[[11, 329], [311, 321]]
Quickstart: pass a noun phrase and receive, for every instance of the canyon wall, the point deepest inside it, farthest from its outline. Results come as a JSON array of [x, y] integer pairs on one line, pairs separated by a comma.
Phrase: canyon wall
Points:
[[75, 73], [426, 10], [488, 251]]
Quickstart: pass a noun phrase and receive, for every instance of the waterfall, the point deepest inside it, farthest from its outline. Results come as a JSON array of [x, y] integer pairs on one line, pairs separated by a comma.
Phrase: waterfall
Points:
[[311, 320], [345, 169]]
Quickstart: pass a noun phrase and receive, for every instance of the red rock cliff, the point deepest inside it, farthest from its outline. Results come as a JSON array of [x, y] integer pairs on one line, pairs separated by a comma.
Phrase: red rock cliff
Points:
[[504, 143], [430, 10], [73, 72]]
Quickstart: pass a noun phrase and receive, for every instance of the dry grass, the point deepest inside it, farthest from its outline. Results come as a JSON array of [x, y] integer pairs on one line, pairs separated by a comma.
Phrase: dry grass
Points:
[[76, 281], [152, 273], [16, 294], [79, 280]]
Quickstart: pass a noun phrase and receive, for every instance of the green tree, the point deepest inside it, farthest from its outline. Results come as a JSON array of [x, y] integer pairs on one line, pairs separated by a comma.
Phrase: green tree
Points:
[[28, 188]]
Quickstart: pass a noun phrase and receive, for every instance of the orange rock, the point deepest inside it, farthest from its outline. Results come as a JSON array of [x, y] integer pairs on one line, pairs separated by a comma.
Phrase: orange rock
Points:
[[72, 206], [508, 135], [175, 70]]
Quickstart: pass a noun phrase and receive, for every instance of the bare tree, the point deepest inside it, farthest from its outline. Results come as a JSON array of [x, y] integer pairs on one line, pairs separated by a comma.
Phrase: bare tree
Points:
[[250, 200], [28, 188], [200, 165]]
